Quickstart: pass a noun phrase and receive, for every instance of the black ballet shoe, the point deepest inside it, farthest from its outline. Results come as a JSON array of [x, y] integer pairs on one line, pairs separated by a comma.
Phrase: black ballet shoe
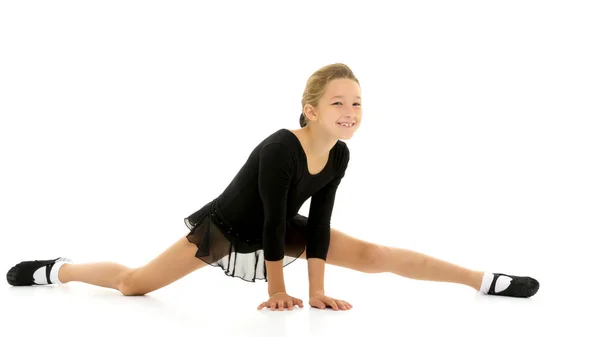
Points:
[[520, 286], [22, 273]]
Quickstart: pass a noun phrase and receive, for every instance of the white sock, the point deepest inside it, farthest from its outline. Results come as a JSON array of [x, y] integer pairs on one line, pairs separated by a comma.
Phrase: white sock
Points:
[[501, 284], [39, 276]]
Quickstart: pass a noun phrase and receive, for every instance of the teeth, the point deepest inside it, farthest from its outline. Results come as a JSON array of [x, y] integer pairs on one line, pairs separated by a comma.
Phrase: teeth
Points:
[[346, 124]]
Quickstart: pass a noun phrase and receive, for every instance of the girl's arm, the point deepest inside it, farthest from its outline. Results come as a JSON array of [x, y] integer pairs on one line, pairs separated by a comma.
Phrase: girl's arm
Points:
[[275, 171], [275, 276], [318, 229], [316, 276]]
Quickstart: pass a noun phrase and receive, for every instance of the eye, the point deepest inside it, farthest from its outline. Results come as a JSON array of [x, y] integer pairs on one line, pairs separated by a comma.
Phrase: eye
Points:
[[341, 102]]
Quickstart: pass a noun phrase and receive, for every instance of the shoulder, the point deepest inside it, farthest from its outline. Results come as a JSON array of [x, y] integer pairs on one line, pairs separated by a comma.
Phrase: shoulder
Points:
[[283, 137], [280, 141], [342, 154], [276, 159], [279, 147], [276, 150]]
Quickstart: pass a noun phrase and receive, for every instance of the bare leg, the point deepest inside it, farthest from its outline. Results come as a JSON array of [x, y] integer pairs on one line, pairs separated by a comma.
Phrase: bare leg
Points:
[[420, 266], [349, 252], [174, 263]]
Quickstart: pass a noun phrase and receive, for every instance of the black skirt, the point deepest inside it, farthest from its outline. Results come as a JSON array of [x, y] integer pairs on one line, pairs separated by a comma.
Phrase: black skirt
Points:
[[239, 254]]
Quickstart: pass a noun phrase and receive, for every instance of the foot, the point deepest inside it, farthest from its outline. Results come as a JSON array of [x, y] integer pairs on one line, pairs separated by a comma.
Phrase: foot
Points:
[[509, 285], [38, 272]]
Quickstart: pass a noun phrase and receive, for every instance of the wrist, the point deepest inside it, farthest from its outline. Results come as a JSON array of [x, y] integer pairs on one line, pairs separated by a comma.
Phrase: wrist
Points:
[[313, 292], [275, 277], [316, 276], [275, 291]]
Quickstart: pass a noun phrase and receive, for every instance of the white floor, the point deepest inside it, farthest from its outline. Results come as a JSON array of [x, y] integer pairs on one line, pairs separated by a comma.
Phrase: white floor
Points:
[[207, 303]]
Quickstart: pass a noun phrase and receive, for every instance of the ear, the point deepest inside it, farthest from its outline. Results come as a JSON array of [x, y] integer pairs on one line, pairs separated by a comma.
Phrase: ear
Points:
[[309, 112]]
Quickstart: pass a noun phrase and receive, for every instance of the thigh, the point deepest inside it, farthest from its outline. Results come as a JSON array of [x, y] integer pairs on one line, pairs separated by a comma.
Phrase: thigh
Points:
[[350, 252], [172, 264]]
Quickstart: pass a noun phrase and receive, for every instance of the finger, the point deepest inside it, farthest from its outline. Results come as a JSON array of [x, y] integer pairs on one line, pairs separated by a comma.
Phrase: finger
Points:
[[262, 305], [320, 305], [273, 306], [290, 304], [343, 305], [298, 302], [280, 305], [332, 304]]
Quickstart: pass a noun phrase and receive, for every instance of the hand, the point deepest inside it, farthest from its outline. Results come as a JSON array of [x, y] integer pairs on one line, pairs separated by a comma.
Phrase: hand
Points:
[[281, 300], [320, 301]]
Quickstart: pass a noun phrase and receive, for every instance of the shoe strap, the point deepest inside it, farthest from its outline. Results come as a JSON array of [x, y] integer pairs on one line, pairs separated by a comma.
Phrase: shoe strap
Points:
[[48, 268], [491, 291]]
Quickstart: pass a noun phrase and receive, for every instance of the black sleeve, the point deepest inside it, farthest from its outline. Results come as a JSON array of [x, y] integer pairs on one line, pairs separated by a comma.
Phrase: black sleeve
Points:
[[275, 171], [319, 217]]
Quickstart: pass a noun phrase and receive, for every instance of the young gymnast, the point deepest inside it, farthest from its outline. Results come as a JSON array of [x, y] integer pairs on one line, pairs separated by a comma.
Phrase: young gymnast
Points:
[[253, 229]]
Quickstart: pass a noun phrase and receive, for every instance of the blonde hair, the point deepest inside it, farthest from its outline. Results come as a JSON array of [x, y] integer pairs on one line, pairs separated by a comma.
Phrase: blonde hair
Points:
[[317, 83]]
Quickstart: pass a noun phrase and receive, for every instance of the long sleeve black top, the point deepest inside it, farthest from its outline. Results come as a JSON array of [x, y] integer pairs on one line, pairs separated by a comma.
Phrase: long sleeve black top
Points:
[[271, 187]]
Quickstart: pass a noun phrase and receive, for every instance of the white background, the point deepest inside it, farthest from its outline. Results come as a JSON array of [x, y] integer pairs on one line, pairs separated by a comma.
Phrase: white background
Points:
[[479, 145]]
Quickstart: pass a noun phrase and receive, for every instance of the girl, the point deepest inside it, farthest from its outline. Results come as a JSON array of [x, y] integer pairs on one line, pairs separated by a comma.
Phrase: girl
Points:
[[253, 229]]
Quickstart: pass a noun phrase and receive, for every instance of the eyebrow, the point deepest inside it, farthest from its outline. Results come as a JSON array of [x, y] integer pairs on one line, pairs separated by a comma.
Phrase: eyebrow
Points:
[[338, 96]]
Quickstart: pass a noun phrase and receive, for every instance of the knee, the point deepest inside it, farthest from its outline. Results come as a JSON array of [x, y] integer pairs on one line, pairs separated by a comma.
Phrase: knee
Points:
[[129, 283], [373, 257]]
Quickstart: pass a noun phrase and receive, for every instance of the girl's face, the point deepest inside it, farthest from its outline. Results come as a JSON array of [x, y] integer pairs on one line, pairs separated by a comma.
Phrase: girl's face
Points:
[[341, 103]]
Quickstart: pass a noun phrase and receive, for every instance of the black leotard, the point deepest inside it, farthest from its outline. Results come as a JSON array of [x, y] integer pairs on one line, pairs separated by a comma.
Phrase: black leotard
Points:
[[271, 187]]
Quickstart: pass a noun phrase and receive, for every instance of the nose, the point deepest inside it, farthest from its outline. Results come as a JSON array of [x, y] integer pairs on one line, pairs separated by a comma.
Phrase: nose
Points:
[[349, 115]]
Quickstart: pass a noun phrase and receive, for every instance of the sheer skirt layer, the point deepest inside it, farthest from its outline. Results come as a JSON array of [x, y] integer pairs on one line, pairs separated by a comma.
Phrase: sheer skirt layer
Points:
[[239, 254]]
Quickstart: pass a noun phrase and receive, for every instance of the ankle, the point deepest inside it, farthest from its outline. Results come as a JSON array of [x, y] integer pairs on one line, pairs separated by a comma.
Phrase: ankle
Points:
[[63, 273], [476, 280]]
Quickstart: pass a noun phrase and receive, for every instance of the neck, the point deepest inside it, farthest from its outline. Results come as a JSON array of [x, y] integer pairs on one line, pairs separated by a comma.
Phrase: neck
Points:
[[318, 143]]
